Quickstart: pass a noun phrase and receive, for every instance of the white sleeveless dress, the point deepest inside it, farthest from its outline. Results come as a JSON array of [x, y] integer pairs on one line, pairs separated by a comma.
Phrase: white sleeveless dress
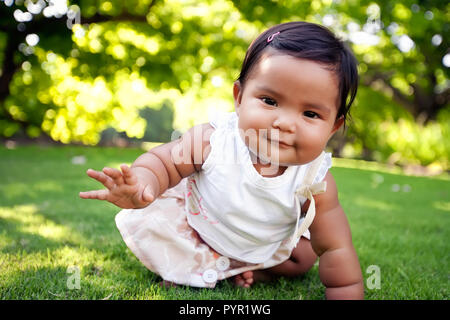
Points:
[[225, 219]]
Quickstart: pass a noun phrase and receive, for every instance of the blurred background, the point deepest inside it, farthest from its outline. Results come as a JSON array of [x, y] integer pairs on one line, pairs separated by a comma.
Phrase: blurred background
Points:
[[126, 73]]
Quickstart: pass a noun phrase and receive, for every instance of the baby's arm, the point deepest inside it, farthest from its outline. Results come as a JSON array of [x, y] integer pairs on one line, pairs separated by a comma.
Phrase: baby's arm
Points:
[[331, 239], [166, 165], [153, 172]]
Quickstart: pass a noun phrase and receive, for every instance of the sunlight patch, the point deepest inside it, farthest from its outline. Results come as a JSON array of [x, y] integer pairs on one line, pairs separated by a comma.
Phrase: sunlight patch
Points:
[[441, 205], [365, 165], [35, 223], [48, 185], [370, 203], [15, 190]]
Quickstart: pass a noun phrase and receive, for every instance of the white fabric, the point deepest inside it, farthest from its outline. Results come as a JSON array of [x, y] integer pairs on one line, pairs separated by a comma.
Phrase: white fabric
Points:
[[244, 215]]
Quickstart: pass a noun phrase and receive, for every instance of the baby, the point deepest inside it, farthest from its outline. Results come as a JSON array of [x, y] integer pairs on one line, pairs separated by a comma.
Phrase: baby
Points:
[[248, 195]]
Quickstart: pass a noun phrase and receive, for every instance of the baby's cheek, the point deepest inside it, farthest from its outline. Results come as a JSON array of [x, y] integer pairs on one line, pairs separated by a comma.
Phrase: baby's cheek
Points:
[[310, 145], [249, 127], [256, 116]]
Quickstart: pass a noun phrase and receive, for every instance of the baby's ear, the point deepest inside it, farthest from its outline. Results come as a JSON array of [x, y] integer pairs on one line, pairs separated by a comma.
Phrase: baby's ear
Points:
[[237, 94], [337, 124]]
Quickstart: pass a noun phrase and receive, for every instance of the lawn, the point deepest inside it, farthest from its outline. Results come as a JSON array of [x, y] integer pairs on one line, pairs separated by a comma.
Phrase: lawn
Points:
[[400, 225]]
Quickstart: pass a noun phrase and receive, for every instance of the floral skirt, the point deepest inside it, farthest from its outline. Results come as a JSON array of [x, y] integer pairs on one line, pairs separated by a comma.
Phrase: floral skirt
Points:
[[161, 238]]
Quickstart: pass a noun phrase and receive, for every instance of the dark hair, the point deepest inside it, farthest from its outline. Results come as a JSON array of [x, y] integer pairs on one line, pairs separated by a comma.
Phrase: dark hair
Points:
[[312, 42]]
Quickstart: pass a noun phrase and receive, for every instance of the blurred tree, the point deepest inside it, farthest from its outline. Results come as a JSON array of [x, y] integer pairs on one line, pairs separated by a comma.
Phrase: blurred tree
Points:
[[159, 123], [411, 59], [73, 68], [30, 72], [72, 71], [402, 46], [402, 113]]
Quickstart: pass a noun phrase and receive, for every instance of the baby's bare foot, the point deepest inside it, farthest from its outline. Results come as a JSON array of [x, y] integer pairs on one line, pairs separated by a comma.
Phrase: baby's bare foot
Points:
[[248, 278], [244, 279]]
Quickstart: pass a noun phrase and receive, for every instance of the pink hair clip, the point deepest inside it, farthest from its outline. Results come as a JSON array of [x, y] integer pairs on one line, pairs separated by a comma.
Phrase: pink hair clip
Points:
[[272, 36]]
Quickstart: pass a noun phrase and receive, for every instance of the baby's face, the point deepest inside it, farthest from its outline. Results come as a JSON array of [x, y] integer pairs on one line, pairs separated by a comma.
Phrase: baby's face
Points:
[[287, 109]]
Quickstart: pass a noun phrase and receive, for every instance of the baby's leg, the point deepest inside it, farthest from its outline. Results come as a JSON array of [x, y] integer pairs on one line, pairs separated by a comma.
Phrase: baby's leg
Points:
[[302, 259]]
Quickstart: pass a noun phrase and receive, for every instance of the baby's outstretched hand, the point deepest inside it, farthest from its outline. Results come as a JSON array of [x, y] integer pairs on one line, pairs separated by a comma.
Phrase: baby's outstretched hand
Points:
[[122, 188]]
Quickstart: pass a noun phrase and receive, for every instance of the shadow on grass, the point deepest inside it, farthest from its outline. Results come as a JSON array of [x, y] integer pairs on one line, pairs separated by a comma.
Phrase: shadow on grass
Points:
[[25, 228], [34, 238], [17, 240], [125, 280], [62, 283]]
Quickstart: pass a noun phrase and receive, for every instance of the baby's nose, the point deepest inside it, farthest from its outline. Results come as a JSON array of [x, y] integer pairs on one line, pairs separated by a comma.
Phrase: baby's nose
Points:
[[285, 122]]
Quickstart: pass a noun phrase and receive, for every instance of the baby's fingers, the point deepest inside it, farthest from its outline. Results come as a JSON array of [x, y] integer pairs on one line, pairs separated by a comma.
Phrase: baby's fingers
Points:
[[114, 174], [95, 194], [128, 175], [101, 177]]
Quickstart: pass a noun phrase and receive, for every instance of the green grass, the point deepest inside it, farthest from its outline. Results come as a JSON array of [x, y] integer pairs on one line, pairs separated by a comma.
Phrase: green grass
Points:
[[45, 228]]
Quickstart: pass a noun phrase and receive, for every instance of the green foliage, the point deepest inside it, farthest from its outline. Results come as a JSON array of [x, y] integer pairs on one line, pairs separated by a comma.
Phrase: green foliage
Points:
[[159, 123], [392, 135], [130, 56]]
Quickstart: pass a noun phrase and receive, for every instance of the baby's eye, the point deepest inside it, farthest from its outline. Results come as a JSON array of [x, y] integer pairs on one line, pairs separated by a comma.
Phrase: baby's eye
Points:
[[269, 101], [311, 114]]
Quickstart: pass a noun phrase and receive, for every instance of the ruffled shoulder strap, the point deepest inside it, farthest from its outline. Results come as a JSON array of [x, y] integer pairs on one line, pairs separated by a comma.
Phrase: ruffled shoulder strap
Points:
[[307, 190], [219, 119]]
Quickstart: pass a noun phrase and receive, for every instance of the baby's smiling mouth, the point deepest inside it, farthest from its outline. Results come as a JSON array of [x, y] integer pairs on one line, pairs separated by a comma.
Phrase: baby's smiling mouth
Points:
[[280, 143], [274, 139], [285, 145]]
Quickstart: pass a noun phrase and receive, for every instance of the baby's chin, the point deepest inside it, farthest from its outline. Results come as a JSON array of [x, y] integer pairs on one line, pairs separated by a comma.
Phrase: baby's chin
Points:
[[276, 161]]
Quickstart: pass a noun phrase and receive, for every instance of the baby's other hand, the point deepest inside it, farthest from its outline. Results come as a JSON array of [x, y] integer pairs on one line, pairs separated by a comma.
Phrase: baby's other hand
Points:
[[122, 188]]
